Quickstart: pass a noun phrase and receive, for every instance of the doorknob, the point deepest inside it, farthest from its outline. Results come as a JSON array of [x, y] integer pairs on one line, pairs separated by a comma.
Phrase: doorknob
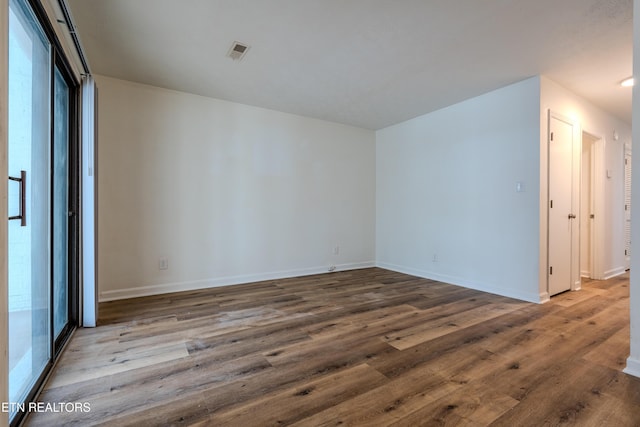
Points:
[[571, 216]]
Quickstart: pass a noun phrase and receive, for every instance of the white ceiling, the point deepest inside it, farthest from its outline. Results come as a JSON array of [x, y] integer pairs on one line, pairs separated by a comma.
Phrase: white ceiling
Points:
[[368, 63]]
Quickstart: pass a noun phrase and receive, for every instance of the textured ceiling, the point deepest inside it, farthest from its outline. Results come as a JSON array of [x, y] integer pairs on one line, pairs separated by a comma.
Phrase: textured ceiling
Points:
[[368, 63]]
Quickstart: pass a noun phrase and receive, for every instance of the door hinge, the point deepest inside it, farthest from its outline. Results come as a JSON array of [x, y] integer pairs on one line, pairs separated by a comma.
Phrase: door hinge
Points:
[[625, 252], [551, 136], [551, 204], [550, 271]]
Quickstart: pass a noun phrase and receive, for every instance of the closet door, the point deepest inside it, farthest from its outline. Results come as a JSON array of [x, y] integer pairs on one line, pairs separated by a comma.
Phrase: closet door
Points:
[[562, 213]]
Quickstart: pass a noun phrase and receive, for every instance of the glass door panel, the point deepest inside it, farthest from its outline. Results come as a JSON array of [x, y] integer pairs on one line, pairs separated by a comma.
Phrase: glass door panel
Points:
[[60, 204], [29, 202]]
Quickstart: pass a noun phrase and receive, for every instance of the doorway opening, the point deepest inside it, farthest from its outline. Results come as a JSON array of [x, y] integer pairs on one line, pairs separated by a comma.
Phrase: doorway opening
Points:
[[590, 160]]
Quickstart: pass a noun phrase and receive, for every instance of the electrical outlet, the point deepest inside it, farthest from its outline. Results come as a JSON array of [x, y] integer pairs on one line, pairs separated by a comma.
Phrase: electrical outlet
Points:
[[435, 258], [163, 263], [336, 250]]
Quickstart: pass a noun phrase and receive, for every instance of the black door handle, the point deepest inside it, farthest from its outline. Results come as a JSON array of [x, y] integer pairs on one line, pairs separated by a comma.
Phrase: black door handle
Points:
[[23, 187]]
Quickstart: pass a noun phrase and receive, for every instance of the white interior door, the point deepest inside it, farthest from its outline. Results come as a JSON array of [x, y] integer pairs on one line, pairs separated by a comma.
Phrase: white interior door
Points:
[[561, 214]]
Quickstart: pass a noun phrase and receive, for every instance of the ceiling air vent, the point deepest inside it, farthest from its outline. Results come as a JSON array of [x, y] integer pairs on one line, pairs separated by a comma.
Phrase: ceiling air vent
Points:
[[237, 51]]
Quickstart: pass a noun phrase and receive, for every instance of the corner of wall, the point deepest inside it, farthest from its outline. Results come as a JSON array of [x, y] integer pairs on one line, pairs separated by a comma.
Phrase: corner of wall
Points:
[[544, 188], [544, 297], [633, 362], [633, 367]]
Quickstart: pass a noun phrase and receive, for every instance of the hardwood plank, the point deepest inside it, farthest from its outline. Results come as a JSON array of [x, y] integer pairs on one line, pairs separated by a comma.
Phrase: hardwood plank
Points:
[[184, 410], [568, 299], [109, 364], [353, 322], [471, 405], [387, 404], [555, 402], [419, 334], [448, 345], [613, 352], [296, 403], [155, 385]]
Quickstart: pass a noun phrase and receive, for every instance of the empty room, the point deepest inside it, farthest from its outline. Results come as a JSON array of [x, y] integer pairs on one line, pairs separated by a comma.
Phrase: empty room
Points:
[[314, 213]]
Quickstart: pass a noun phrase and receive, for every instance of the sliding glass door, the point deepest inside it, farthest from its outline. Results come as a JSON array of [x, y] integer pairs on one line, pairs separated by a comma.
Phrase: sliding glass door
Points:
[[40, 203], [29, 202]]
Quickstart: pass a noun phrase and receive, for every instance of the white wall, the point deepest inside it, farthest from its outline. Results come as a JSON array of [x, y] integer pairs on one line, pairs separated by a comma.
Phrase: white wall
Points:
[[227, 192], [609, 175], [633, 362], [446, 187], [4, 291]]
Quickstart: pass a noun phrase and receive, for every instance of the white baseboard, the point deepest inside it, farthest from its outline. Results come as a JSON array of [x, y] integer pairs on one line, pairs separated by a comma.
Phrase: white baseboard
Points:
[[633, 367], [165, 288], [614, 272], [484, 287], [577, 285], [544, 297]]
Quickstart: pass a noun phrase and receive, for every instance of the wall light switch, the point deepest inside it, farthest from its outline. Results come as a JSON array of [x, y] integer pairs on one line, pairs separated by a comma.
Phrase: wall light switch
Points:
[[519, 187]]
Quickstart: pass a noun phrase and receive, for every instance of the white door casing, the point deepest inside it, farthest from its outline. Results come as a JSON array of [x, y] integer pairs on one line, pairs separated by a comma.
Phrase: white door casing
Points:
[[627, 208]]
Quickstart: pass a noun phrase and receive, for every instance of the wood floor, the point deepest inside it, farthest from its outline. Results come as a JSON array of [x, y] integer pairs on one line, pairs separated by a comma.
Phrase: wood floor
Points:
[[367, 347]]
